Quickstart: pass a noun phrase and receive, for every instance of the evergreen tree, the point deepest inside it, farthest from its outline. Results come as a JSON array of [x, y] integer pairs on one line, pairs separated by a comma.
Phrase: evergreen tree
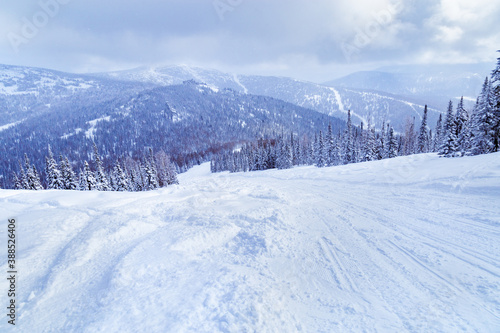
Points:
[[120, 180], [371, 144], [450, 142], [32, 177], [348, 141], [23, 179], [319, 151], [54, 176], [409, 144], [101, 180], [381, 143], [330, 146], [392, 144], [88, 183], [423, 136], [17, 182], [67, 173], [484, 126], [463, 128], [150, 173], [284, 155], [495, 91], [438, 138]]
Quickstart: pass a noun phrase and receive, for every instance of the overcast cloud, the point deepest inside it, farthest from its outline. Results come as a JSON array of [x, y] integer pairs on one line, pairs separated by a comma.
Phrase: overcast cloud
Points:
[[312, 40]]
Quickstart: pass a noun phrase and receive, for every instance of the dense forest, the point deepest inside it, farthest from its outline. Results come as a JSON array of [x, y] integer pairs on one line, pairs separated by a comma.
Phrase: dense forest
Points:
[[462, 132]]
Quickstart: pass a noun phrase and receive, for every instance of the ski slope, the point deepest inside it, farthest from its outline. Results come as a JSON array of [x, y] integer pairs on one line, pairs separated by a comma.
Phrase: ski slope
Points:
[[410, 244]]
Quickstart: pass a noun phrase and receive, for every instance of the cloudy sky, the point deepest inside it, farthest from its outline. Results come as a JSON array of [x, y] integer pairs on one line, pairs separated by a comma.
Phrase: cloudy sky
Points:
[[311, 40]]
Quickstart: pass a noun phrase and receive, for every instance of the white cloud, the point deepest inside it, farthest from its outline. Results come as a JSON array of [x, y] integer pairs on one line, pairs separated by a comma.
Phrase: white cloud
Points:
[[449, 34]]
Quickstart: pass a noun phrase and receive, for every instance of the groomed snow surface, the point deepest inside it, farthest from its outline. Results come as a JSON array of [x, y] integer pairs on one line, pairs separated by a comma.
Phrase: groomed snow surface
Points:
[[410, 244]]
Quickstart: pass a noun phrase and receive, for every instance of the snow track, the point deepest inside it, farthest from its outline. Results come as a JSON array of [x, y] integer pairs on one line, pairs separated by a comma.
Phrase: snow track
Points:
[[410, 244]]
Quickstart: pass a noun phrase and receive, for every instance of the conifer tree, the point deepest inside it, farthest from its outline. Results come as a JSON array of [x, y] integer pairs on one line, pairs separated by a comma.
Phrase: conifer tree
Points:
[[120, 180], [17, 182], [88, 183], [319, 151], [392, 144], [34, 180], [67, 173], [450, 142], [381, 143], [423, 136], [495, 86], [438, 138], [54, 176], [330, 146], [484, 122], [101, 180], [348, 153], [23, 179]]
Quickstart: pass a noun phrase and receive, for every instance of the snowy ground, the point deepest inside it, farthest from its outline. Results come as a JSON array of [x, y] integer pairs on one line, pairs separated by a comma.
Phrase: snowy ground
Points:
[[409, 244]]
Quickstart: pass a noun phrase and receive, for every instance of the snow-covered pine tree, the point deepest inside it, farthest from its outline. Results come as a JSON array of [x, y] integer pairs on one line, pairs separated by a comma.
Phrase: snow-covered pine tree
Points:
[[371, 144], [423, 135], [261, 156], [82, 183], [409, 142], [319, 151], [67, 173], [119, 179], [34, 180], [150, 172], [54, 175], [284, 158], [17, 182], [330, 146], [392, 144], [23, 179], [484, 126], [101, 179], [438, 137], [89, 182], [450, 143], [348, 144], [495, 85], [463, 130], [133, 183], [32, 177], [381, 143]]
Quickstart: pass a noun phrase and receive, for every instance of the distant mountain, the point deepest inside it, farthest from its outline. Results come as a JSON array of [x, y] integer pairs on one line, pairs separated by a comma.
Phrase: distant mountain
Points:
[[436, 84], [333, 101], [26, 92]]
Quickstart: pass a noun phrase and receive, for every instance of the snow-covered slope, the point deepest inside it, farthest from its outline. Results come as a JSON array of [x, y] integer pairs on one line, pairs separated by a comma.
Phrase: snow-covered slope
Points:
[[407, 244], [436, 84], [335, 101], [29, 92]]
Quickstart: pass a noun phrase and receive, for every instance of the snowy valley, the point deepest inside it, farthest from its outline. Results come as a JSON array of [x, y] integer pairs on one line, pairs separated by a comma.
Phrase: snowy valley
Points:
[[404, 244]]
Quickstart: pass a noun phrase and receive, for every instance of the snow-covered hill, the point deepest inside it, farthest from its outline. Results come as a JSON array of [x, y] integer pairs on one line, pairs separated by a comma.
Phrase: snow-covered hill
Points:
[[27, 92], [335, 101], [391, 94], [406, 244], [436, 84]]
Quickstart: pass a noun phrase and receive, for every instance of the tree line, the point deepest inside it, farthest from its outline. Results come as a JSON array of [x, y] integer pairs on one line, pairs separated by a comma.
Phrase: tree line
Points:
[[152, 172], [462, 133]]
